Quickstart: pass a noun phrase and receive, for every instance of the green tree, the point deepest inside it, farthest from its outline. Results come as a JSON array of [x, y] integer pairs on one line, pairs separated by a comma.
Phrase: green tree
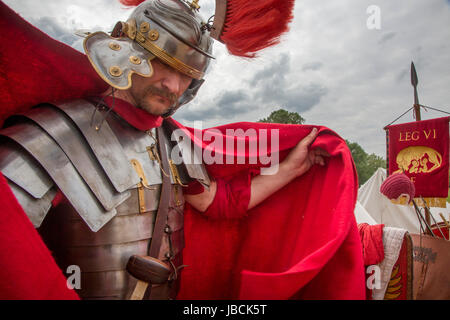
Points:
[[366, 164], [284, 116]]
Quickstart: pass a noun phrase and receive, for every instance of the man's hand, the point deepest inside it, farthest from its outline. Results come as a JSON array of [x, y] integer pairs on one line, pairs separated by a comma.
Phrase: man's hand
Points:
[[301, 159]]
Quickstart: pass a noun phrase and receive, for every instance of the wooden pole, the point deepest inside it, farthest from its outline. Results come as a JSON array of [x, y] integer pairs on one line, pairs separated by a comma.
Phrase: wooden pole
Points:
[[414, 82], [387, 152], [417, 112]]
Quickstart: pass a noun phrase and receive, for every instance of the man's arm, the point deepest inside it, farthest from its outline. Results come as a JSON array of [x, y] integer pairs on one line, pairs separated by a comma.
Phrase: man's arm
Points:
[[298, 161]]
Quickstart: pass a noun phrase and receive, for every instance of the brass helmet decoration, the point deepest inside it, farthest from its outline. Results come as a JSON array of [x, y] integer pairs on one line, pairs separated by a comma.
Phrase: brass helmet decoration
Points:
[[173, 32], [165, 29]]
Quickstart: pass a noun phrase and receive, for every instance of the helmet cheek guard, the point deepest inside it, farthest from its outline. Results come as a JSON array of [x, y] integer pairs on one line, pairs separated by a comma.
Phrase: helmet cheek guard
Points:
[[165, 29], [116, 59]]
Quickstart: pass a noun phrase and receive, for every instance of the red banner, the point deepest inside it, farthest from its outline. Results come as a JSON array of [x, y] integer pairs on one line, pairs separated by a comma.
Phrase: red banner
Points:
[[421, 150]]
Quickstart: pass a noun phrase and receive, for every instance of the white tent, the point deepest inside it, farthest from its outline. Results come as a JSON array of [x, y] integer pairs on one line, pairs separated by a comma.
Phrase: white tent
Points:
[[362, 216], [383, 211]]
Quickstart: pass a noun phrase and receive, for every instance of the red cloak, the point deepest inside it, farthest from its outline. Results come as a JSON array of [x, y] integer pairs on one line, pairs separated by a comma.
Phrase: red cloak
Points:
[[302, 242]]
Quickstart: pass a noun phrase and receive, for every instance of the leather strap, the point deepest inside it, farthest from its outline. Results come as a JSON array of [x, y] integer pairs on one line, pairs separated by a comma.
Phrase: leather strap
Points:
[[165, 197], [161, 291]]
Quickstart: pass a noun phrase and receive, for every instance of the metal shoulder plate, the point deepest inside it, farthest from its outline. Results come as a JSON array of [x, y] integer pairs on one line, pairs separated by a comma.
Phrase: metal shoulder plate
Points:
[[185, 155], [47, 138], [57, 146], [29, 182]]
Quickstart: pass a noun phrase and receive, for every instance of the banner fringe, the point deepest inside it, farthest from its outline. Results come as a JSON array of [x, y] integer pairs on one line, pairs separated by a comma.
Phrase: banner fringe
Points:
[[431, 202]]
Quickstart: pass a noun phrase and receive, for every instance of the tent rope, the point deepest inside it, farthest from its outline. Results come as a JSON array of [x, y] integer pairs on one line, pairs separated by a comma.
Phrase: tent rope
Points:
[[421, 105], [385, 127], [426, 107]]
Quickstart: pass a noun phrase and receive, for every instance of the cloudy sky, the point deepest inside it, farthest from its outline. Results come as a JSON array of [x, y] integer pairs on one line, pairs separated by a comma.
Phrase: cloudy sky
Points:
[[339, 66]]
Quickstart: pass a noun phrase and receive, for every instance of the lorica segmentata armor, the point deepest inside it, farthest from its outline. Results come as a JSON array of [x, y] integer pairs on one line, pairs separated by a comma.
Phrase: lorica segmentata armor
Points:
[[111, 182]]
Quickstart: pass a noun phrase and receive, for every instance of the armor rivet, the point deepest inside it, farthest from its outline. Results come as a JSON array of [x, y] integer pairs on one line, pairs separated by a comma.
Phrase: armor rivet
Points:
[[131, 30], [115, 71], [114, 46], [153, 35], [135, 60], [145, 26]]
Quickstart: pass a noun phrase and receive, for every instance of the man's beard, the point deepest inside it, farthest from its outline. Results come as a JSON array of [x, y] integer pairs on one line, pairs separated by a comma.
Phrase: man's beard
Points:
[[154, 91]]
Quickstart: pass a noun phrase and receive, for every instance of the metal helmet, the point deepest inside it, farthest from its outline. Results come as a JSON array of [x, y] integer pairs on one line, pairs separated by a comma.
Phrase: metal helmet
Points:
[[169, 30]]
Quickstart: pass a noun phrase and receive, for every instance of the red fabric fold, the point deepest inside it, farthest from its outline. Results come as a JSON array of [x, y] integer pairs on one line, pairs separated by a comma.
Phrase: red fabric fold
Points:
[[372, 243], [193, 188], [27, 268], [302, 242], [373, 249], [38, 69]]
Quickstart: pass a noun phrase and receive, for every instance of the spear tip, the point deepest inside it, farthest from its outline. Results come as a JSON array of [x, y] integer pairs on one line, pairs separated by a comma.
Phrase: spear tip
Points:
[[414, 80]]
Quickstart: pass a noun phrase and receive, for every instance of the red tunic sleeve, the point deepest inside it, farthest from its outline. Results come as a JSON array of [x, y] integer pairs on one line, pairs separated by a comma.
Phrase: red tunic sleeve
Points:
[[232, 196]]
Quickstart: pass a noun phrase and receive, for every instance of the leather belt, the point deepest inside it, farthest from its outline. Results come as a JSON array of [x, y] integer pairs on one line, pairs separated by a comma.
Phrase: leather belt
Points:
[[146, 268], [165, 198], [161, 291]]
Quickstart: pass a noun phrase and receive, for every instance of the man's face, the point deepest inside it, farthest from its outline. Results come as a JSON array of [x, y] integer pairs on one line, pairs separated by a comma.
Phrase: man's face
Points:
[[158, 93]]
